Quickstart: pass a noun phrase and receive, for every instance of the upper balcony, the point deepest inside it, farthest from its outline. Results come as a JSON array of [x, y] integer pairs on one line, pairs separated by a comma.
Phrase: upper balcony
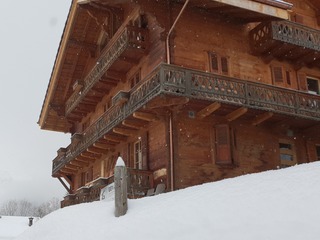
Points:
[[125, 49], [285, 40], [234, 94]]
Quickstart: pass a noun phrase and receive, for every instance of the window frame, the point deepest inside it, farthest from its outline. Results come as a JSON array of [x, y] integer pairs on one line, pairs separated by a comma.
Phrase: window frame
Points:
[[223, 145], [286, 75], [317, 80], [222, 63], [287, 152]]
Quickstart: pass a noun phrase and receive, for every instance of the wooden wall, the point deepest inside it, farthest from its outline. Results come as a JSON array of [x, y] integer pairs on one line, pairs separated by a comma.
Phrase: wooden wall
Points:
[[254, 148], [212, 33]]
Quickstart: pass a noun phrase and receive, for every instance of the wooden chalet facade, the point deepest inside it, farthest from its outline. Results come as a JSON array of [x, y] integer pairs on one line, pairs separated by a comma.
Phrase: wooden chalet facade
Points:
[[186, 92]]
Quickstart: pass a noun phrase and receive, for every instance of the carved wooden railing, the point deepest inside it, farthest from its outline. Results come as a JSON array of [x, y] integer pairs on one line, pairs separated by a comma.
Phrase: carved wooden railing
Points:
[[174, 80], [128, 36], [139, 181], [284, 31]]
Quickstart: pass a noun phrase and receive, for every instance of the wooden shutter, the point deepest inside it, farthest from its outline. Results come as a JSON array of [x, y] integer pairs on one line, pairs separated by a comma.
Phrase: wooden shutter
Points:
[[312, 151], [223, 148], [214, 62], [288, 77], [302, 80], [144, 150], [298, 18], [277, 74], [224, 65]]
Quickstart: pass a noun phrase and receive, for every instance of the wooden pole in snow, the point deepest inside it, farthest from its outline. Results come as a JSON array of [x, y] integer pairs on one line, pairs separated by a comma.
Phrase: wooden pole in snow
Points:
[[120, 188]]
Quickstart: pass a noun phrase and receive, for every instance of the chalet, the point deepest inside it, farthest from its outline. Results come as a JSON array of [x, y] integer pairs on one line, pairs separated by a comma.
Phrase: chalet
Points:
[[185, 91]]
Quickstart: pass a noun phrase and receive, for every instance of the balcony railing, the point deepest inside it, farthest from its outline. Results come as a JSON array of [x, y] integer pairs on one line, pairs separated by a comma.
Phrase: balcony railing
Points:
[[264, 35], [138, 183], [174, 80], [129, 36]]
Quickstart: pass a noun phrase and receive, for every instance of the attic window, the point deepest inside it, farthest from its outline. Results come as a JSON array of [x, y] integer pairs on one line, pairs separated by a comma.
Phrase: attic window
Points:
[[218, 63]]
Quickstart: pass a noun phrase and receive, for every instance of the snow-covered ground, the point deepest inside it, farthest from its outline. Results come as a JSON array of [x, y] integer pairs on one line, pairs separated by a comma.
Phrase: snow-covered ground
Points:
[[11, 227], [274, 205]]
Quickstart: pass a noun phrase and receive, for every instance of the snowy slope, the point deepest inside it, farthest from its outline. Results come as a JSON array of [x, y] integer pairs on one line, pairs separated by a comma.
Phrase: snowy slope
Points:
[[280, 204], [11, 227]]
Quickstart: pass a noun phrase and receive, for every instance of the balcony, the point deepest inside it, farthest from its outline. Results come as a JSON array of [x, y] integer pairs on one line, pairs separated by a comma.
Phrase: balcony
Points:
[[197, 85], [129, 43], [138, 182], [286, 40]]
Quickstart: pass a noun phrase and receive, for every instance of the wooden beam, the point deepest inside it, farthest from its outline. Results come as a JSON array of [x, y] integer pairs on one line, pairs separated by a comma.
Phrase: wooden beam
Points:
[[103, 146], [115, 139], [68, 171], [82, 158], [79, 163], [208, 110], [125, 131], [65, 185], [90, 155], [145, 116], [69, 166], [67, 179], [133, 124], [236, 114], [261, 118], [97, 150]]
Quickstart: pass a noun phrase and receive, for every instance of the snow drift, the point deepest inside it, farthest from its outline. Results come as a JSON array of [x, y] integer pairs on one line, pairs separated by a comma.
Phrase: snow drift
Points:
[[279, 204]]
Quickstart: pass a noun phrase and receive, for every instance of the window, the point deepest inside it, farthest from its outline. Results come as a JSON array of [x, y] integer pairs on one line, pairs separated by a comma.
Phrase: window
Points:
[[313, 85], [137, 155], [287, 153], [222, 144], [135, 79], [218, 64], [281, 76], [309, 84]]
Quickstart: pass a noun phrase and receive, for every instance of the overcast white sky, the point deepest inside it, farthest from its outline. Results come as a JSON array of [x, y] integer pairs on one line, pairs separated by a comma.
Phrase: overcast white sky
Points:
[[30, 33]]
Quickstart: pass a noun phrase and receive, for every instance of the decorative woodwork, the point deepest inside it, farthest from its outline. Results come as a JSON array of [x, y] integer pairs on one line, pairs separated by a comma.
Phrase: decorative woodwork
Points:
[[127, 36], [269, 36], [139, 181], [178, 81]]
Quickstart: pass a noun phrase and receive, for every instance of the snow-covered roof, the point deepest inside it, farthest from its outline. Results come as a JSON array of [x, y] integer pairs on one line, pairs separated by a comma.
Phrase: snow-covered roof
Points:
[[12, 226]]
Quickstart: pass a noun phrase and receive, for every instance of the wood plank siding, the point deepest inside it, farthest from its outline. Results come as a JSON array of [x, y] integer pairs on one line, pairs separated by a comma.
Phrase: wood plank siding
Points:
[[241, 93]]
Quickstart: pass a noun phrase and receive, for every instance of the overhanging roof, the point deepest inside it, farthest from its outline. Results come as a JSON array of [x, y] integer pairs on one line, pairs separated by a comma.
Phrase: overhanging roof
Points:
[[247, 10]]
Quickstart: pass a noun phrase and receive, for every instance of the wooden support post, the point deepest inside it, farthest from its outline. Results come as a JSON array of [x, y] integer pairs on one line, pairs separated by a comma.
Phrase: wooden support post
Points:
[[120, 187]]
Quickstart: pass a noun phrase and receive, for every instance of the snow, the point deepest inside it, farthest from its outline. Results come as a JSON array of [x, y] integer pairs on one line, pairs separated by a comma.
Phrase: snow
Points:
[[120, 162], [11, 227], [274, 205]]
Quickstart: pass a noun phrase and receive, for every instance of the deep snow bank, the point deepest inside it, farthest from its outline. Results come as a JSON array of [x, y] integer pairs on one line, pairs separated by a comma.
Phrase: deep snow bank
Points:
[[280, 204]]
